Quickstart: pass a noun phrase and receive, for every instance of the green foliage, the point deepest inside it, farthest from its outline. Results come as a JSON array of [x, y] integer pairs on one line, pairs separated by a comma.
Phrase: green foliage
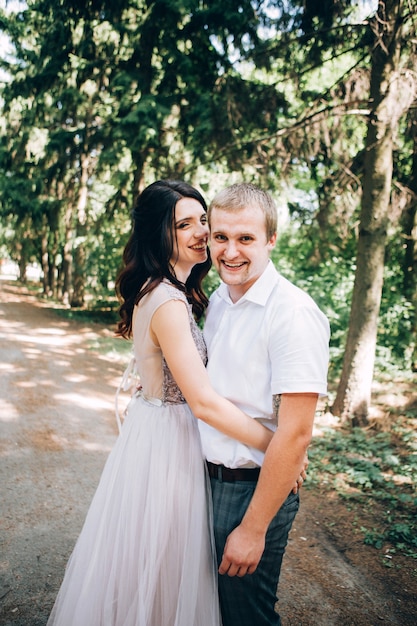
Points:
[[105, 245], [368, 469], [329, 283], [211, 282], [397, 312], [329, 280]]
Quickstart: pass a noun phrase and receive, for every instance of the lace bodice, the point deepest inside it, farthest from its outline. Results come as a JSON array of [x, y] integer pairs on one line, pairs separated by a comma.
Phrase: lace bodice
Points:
[[156, 378]]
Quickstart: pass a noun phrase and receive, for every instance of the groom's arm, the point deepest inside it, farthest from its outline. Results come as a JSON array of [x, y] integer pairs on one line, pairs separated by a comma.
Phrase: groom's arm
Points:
[[283, 460]]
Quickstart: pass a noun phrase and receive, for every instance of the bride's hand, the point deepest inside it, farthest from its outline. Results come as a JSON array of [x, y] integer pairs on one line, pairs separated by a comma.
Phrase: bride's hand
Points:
[[303, 475]]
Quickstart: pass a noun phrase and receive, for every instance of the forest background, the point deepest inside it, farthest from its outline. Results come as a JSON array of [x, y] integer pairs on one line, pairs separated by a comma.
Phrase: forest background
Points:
[[314, 100]]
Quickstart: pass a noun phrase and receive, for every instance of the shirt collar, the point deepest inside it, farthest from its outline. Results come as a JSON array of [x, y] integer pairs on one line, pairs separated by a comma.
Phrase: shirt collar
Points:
[[260, 290]]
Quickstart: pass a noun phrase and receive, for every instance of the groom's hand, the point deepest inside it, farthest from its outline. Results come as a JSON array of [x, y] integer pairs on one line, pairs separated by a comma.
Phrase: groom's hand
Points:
[[242, 552]]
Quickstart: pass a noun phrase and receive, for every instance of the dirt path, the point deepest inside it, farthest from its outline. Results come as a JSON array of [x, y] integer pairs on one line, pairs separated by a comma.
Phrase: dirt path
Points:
[[57, 427]]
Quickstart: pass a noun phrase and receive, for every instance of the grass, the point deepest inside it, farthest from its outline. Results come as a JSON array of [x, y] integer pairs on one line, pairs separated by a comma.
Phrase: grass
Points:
[[358, 463]]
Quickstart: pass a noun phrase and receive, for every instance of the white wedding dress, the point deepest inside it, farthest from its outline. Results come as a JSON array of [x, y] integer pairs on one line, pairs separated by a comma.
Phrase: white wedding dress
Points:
[[145, 555]]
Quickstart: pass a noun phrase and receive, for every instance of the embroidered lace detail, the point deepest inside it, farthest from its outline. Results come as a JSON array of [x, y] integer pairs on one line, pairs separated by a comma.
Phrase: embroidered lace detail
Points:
[[171, 393]]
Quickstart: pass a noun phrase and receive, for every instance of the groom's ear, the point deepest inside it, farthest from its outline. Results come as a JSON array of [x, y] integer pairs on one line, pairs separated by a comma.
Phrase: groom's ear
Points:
[[272, 241]]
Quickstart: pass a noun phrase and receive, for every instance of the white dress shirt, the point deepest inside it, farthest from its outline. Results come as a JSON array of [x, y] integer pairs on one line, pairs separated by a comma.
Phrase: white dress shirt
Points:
[[273, 340]]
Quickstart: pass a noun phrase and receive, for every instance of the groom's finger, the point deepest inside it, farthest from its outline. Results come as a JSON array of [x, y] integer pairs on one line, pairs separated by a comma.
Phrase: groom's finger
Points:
[[224, 565]]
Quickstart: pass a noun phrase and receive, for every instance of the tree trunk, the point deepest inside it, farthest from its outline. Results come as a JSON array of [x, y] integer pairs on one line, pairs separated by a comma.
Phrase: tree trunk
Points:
[[79, 254], [389, 100], [22, 264], [138, 175], [79, 258], [410, 252], [66, 274], [53, 269], [45, 259], [409, 223]]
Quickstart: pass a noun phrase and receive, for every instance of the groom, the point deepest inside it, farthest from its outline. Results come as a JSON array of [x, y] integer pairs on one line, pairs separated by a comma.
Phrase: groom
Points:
[[268, 353]]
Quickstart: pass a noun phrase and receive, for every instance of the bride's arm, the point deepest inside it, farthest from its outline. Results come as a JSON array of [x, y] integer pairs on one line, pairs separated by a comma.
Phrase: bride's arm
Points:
[[170, 329]]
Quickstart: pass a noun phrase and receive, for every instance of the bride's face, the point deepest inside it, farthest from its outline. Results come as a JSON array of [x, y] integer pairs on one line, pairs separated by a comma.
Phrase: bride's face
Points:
[[191, 233]]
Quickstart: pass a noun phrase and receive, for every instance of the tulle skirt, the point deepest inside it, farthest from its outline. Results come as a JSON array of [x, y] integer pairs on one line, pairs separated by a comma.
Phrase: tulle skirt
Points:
[[145, 556]]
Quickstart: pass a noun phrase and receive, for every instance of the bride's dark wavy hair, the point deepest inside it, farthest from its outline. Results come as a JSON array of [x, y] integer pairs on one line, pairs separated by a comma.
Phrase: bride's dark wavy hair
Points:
[[147, 255]]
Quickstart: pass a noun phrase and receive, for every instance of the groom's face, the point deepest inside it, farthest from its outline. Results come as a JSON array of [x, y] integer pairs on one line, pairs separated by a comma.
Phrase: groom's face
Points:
[[239, 247]]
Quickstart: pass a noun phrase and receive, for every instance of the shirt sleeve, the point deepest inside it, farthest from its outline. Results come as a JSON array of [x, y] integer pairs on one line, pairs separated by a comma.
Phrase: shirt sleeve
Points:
[[299, 352]]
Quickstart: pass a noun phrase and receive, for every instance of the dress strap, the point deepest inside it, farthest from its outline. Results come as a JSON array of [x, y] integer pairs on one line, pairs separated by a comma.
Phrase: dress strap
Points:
[[127, 381]]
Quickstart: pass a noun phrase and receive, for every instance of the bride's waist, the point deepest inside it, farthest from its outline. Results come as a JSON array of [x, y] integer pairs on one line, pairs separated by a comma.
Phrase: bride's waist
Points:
[[155, 401]]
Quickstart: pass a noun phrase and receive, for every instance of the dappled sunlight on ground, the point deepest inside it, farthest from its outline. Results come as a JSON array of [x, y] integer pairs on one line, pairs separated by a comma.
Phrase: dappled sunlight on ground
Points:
[[82, 401], [8, 412], [324, 421], [52, 367]]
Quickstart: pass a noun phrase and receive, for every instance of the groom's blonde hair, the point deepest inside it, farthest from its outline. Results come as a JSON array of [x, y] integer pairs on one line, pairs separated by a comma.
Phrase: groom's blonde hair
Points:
[[243, 195]]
